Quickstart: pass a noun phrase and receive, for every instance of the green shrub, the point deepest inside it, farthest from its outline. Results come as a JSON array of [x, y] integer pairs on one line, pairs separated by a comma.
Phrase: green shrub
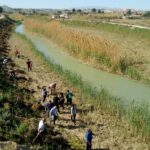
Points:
[[131, 72], [22, 129]]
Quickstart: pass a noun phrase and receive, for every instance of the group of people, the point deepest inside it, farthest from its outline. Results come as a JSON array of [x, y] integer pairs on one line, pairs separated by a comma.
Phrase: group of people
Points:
[[52, 109], [52, 106], [41, 129]]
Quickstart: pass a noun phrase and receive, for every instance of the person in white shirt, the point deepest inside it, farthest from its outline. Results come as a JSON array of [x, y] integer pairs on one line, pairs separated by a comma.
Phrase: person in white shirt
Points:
[[52, 88], [41, 129], [41, 126], [73, 114], [5, 61], [54, 114]]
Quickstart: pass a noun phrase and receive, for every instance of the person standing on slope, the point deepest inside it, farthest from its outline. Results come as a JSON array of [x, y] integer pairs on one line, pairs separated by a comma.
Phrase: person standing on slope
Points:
[[69, 96], [88, 137], [52, 88], [73, 114], [29, 65]]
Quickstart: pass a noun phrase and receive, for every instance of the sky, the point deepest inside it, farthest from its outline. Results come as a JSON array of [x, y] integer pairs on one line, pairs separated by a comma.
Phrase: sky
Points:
[[61, 4]]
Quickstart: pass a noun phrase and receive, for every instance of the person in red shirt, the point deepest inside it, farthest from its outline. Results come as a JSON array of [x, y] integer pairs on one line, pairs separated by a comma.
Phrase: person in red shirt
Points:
[[17, 53], [29, 65]]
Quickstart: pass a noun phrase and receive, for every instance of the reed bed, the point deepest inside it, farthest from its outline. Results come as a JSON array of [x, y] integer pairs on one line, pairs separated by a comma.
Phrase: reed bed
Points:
[[87, 47]]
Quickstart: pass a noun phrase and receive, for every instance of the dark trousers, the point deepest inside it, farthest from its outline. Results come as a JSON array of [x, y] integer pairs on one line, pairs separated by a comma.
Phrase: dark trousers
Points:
[[44, 98], [88, 146], [69, 101], [29, 68], [61, 104], [54, 119], [57, 107], [73, 118]]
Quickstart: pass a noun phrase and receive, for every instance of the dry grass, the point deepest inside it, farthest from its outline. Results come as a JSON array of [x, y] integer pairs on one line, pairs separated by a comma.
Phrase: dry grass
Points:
[[95, 16], [83, 45], [17, 16]]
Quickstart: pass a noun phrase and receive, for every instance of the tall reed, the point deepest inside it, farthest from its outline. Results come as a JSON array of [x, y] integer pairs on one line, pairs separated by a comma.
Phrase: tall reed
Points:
[[83, 45]]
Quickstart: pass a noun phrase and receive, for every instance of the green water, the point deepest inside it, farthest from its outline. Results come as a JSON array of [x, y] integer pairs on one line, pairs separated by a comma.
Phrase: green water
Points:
[[126, 89]]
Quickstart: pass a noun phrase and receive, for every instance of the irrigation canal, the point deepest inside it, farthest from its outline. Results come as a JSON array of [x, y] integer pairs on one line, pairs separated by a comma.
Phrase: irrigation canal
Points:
[[126, 89]]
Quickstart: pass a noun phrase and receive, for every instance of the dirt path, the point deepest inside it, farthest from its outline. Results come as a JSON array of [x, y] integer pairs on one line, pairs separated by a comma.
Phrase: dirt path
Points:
[[109, 131]]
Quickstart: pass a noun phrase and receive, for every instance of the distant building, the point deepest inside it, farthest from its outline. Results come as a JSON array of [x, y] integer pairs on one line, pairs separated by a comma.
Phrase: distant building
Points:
[[64, 16], [108, 11], [55, 16], [61, 16], [134, 17]]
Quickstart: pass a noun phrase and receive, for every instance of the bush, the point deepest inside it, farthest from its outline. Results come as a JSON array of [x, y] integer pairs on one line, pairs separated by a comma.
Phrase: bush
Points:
[[147, 14], [22, 129]]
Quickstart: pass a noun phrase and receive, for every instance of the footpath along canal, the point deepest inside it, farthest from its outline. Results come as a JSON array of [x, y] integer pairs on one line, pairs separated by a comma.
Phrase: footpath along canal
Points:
[[126, 89]]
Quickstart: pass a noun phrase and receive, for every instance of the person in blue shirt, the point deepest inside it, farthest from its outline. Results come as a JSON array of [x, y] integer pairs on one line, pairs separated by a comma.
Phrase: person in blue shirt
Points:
[[88, 137]]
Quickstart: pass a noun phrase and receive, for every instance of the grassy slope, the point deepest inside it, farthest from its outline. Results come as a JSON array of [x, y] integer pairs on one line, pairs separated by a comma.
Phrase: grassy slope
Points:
[[109, 130]]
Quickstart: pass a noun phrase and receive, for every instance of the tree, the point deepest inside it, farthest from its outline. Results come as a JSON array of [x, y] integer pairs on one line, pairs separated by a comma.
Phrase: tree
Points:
[[129, 12], [93, 10], [99, 11], [59, 12], [147, 14], [34, 11], [73, 10], [1, 9], [79, 10]]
